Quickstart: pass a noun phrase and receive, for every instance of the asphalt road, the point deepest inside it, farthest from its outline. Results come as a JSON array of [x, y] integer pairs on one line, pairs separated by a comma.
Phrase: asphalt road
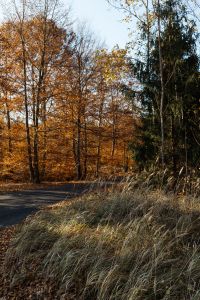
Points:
[[16, 206]]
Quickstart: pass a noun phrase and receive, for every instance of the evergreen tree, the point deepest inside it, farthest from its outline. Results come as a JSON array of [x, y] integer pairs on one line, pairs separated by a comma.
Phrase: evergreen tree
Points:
[[181, 92]]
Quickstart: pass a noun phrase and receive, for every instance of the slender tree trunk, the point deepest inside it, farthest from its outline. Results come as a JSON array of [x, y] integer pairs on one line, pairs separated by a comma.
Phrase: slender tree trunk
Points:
[[113, 139], [35, 151], [79, 141], [148, 57], [74, 135], [44, 156], [36, 137], [186, 161], [148, 40], [28, 137], [1, 144], [125, 158], [85, 149], [8, 127], [79, 114], [98, 161], [26, 104], [8, 112], [173, 136], [78, 150], [36, 125], [113, 130], [162, 85]]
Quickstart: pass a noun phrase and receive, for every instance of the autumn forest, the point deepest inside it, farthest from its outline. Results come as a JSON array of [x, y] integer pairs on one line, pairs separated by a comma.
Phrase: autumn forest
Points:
[[63, 112], [100, 152], [70, 108]]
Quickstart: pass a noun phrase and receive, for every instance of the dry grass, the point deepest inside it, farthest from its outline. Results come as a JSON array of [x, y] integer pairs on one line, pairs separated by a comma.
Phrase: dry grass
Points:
[[127, 245]]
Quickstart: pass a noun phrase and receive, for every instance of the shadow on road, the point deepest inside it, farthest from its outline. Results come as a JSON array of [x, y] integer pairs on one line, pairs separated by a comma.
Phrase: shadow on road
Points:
[[16, 206]]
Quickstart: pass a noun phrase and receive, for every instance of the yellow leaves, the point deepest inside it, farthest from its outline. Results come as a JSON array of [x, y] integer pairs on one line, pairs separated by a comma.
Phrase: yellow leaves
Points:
[[151, 18], [127, 19], [129, 2], [66, 92], [113, 64]]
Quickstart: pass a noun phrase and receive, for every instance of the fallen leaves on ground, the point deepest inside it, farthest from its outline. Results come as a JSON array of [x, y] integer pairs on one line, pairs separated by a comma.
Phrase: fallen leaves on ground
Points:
[[30, 288], [15, 187]]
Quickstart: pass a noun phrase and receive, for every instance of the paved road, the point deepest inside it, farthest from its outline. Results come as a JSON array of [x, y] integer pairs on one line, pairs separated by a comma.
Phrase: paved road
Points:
[[16, 206]]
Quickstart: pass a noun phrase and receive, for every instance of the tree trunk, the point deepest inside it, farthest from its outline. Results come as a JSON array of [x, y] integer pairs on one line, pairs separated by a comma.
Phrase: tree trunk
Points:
[[28, 137], [113, 130], [148, 40], [44, 156], [162, 87], [85, 150], [8, 127], [78, 149], [98, 161], [173, 136], [36, 125]]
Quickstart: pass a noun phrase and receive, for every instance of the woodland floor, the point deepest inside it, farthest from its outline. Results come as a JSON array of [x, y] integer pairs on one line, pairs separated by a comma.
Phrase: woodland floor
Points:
[[15, 187], [32, 288]]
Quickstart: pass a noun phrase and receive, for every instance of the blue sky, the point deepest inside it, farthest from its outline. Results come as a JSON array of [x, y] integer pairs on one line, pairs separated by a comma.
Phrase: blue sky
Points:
[[102, 19]]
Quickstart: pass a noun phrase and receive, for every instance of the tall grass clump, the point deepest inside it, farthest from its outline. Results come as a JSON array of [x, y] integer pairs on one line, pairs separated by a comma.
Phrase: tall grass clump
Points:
[[126, 245]]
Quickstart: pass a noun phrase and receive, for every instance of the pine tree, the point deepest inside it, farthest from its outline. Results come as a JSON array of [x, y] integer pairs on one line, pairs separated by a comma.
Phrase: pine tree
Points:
[[181, 92]]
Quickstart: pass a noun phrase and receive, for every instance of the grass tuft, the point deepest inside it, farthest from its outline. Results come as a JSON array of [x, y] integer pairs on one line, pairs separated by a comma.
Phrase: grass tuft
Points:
[[133, 244]]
